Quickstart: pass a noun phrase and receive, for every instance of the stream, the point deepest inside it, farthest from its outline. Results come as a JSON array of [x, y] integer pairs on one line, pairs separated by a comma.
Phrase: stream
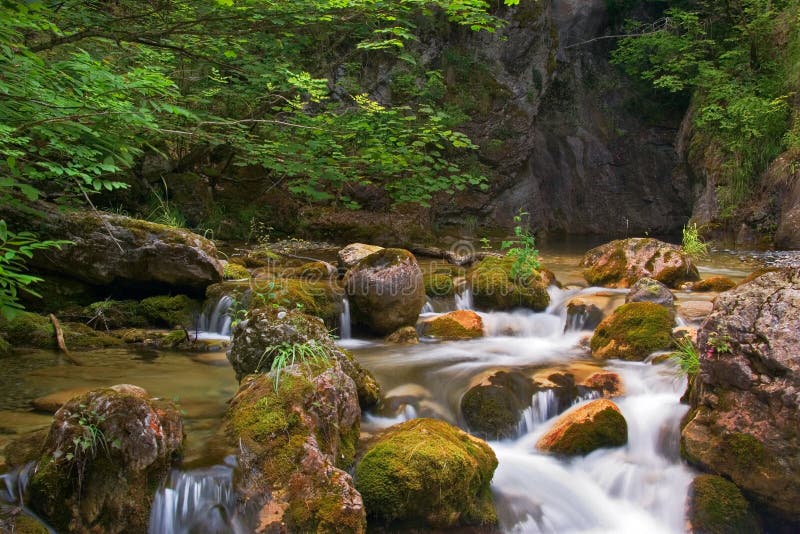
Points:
[[640, 487]]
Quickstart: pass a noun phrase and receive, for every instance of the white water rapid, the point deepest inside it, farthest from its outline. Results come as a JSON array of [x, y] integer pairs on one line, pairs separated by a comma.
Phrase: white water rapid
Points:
[[215, 321]]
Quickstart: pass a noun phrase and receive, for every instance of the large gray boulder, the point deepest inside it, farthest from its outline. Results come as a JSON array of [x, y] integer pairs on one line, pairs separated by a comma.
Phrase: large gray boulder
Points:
[[386, 291], [745, 417]]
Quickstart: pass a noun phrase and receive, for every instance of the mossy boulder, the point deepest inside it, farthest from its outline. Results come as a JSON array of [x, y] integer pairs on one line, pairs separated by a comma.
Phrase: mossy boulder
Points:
[[717, 506], [106, 453], [14, 521], [492, 408], [717, 284], [385, 291], [313, 270], [459, 324], [295, 434], [633, 332], [582, 314], [404, 336], [266, 328], [168, 312], [427, 473], [582, 430], [622, 262], [116, 251], [27, 329], [494, 285], [650, 290]]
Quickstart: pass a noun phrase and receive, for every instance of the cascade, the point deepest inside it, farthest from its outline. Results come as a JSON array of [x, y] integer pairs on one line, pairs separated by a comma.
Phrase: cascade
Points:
[[215, 319], [345, 325], [464, 299]]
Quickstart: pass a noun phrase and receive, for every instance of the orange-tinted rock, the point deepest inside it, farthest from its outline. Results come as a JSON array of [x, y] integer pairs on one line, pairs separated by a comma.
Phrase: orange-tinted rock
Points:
[[460, 324], [714, 283], [607, 383], [592, 426]]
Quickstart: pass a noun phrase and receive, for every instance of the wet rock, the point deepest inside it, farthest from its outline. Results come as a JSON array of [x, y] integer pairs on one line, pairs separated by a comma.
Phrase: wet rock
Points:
[[52, 402], [606, 383], [460, 324], [353, 253], [104, 455], [621, 263], [295, 434], [25, 449], [439, 284], [234, 271], [492, 408], [385, 291], [313, 270], [633, 332], [746, 401], [426, 473], [404, 336], [695, 311], [582, 315], [14, 521], [716, 506], [114, 250], [717, 284], [267, 328], [649, 290], [495, 286], [592, 426]]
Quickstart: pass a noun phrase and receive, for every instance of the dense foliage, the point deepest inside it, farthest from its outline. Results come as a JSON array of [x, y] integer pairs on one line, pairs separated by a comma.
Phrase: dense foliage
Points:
[[740, 62], [88, 87]]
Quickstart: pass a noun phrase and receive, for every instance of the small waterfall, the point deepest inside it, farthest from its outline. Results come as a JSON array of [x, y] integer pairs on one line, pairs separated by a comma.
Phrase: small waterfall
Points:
[[544, 405], [345, 326], [464, 299], [427, 307], [197, 501], [216, 318], [14, 484]]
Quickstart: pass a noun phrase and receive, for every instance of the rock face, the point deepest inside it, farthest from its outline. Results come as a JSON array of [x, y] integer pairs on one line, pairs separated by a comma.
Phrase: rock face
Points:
[[494, 286], [113, 250], [293, 442], [460, 324], [267, 328], [649, 290], [385, 290], [593, 426], [353, 253], [746, 401], [622, 262], [492, 409], [716, 506], [426, 473], [633, 332], [105, 454]]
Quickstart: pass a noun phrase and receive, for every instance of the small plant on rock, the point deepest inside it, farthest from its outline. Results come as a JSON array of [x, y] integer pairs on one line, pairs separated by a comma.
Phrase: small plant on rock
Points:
[[692, 244], [522, 249], [687, 357], [286, 354]]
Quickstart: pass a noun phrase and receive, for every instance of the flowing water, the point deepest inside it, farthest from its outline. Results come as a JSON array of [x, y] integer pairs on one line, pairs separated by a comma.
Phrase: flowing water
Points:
[[637, 488]]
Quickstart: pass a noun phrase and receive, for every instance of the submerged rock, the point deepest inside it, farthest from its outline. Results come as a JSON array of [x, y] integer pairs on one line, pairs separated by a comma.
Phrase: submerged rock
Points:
[[404, 336], [492, 409], [746, 400], [295, 433], [633, 332], [426, 473], [716, 506], [385, 291], [495, 286], [592, 426], [650, 290], [104, 456], [353, 253], [257, 339], [582, 315], [621, 263], [459, 324]]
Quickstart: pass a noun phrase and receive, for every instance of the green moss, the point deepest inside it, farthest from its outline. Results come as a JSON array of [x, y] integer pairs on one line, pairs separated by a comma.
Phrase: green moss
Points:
[[428, 473], [633, 332], [448, 328], [608, 428], [717, 506], [5, 348], [78, 335], [746, 450], [614, 270], [494, 287], [490, 412], [315, 297], [115, 314], [169, 312], [173, 339], [29, 330], [438, 284], [528, 12], [234, 271], [27, 525]]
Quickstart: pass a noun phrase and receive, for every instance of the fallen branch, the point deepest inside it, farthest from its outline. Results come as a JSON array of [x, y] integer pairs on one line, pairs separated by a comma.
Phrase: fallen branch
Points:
[[450, 256], [62, 345]]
